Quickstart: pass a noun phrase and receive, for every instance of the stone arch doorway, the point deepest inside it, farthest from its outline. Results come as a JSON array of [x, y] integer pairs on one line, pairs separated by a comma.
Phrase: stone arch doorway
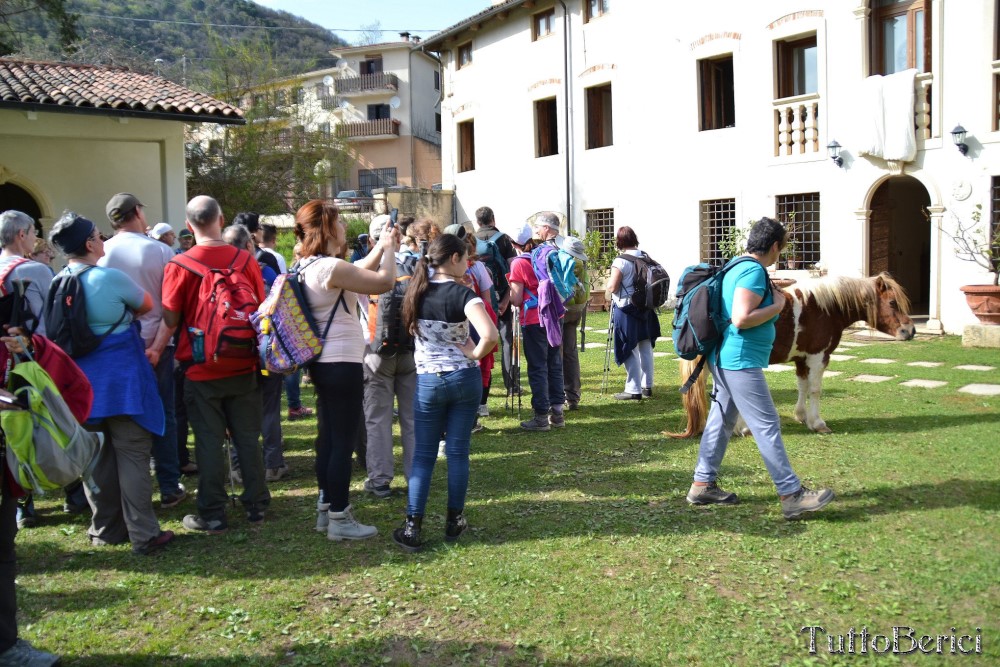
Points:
[[13, 197], [899, 238]]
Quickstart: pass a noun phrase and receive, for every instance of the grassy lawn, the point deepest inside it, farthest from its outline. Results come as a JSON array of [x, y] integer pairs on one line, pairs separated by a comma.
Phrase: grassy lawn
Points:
[[582, 548]]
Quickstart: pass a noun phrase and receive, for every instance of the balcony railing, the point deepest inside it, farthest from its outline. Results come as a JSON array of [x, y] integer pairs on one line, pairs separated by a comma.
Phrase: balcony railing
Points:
[[922, 106], [796, 125], [365, 82], [383, 127]]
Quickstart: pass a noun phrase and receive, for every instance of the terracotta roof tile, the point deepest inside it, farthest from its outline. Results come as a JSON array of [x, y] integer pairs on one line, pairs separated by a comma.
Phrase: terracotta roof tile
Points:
[[115, 89]]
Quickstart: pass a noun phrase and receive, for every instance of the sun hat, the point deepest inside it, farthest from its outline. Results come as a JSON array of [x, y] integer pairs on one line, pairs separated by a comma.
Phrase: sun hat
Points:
[[378, 223], [456, 230], [574, 246]]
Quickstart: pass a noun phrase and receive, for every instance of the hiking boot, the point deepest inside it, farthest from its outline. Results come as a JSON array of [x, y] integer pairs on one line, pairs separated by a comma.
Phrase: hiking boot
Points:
[[556, 419], [255, 515], [26, 516], [477, 427], [537, 423], [483, 411], [158, 542], [379, 491], [407, 536], [343, 526], [322, 517], [275, 474], [299, 413], [711, 495], [101, 542], [73, 508], [572, 405], [173, 499], [24, 654], [805, 500], [209, 526], [455, 525], [647, 392], [625, 396], [190, 468]]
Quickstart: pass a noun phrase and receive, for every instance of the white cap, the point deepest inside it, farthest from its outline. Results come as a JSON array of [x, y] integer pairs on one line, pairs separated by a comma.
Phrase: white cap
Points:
[[520, 233], [160, 229]]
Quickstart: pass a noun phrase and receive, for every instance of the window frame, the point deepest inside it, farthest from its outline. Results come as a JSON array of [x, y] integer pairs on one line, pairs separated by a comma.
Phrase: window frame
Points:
[[543, 24], [785, 51], [463, 55], [602, 221], [717, 92], [910, 9], [588, 9], [801, 215], [546, 117], [466, 134], [715, 218], [599, 98]]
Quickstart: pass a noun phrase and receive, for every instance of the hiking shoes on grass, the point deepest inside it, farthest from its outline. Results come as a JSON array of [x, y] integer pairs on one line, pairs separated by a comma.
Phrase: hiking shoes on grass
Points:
[[377, 490], [537, 423], [23, 653], [163, 539], [275, 474], [805, 500], [210, 526], [299, 413], [625, 396], [173, 499], [711, 495]]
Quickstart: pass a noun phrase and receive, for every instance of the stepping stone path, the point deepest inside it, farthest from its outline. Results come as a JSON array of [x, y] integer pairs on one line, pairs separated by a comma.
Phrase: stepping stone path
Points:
[[661, 354], [777, 368], [832, 374], [981, 389], [973, 367], [590, 346], [871, 379], [664, 339], [847, 343], [925, 364], [841, 357], [878, 361], [926, 384]]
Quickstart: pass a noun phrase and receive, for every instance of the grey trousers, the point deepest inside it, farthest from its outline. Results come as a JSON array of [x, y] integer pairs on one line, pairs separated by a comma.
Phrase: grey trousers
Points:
[[123, 510], [571, 353], [386, 377]]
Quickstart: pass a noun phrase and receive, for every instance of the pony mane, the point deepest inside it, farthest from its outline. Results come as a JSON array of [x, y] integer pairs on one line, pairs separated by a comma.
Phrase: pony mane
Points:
[[849, 294]]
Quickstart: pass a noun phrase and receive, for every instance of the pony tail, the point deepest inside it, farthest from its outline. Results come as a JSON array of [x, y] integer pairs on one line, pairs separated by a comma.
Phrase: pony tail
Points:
[[415, 291]]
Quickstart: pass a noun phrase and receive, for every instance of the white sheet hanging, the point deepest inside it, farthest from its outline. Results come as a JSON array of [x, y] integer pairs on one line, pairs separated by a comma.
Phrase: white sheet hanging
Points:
[[885, 124]]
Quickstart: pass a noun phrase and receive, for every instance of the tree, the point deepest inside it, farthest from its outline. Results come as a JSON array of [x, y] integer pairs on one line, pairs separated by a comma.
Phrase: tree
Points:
[[371, 33], [282, 157], [49, 11]]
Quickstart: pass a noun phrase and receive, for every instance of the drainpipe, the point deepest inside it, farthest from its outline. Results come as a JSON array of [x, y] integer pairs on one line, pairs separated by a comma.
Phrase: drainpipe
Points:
[[567, 107], [409, 85]]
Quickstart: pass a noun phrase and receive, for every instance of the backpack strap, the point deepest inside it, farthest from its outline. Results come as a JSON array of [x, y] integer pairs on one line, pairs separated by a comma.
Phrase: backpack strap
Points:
[[495, 237], [18, 261]]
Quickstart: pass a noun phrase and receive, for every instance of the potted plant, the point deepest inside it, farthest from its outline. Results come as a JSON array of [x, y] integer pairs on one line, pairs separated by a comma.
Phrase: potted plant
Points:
[[975, 243], [734, 242], [600, 255]]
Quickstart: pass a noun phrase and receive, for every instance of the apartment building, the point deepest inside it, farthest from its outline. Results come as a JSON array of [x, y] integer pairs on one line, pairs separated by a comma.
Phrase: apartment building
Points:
[[684, 121]]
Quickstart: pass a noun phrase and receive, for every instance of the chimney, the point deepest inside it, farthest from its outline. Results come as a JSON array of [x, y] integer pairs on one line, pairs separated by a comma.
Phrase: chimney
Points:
[[405, 36], [415, 39]]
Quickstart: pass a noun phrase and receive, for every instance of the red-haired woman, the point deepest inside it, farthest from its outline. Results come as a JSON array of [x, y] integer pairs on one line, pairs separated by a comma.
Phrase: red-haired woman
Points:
[[332, 286]]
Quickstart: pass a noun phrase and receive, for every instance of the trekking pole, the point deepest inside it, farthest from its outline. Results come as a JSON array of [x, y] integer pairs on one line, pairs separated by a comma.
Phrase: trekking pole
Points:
[[583, 327], [515, 362], [229, 457], [608, 349]]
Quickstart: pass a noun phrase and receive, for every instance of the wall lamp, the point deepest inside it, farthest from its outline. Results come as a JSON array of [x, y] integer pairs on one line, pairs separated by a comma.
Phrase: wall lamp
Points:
[[958, 138], [833, 148]]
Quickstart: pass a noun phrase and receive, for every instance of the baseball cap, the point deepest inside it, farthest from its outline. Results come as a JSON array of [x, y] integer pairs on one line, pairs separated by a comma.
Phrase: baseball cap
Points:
[[574, 246], [377, 225], [160, 229], [184, 233], [520, 233], [121, 205], [456, 230]]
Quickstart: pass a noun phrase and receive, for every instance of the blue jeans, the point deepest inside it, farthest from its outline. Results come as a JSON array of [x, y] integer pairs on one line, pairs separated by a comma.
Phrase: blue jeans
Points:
[[545, 370], [165, 455], [445, 403], [744, 392], [293, 390]]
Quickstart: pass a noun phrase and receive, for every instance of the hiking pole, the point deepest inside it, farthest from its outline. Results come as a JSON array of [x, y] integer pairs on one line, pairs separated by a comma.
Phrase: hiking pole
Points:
[[608, 348], [515, 361], [229, 457]]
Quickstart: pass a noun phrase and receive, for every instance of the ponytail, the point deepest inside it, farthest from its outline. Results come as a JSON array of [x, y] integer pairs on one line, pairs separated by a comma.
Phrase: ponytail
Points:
[[440, 251]]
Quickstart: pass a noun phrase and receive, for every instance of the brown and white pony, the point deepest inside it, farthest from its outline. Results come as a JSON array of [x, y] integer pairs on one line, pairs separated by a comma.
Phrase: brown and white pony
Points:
[[808, 330]]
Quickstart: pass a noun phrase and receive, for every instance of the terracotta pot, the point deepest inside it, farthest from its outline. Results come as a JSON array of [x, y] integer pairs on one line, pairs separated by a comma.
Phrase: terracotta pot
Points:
[[984, 300], [598, 302]]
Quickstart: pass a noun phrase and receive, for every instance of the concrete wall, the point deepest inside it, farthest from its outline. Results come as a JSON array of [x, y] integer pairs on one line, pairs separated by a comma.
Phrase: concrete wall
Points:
[[77, 162], [421, 203]]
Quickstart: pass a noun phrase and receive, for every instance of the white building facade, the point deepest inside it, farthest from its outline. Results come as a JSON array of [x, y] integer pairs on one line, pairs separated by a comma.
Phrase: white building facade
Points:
[[684, 121]]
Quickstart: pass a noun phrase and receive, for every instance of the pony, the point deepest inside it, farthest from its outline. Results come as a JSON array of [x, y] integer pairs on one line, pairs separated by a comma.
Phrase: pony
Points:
[[808, 330]]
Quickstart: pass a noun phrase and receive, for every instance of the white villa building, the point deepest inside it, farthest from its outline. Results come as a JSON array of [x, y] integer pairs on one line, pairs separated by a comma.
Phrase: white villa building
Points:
[[682, 121]]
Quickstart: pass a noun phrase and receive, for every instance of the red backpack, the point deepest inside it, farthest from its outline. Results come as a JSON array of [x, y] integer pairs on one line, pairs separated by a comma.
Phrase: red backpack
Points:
[[220, 326]]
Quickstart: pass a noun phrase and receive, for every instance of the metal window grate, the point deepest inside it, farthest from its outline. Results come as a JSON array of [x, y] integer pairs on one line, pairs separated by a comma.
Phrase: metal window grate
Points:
[[995, 216], [717, 217], [800, 214], [602, 220], [370, 179]]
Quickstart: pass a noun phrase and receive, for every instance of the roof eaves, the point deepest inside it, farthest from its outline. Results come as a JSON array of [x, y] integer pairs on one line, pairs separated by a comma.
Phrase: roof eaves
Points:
[[436, 41]]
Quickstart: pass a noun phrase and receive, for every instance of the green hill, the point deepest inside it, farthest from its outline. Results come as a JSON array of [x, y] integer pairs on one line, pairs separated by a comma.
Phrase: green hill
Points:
[[178, 33]]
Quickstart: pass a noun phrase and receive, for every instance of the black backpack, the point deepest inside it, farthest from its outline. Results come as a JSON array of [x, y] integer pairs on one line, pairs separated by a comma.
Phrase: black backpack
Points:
[[489, 254], [14, 307], [651, 285], [66, 315], [698, 319], [385, 314]]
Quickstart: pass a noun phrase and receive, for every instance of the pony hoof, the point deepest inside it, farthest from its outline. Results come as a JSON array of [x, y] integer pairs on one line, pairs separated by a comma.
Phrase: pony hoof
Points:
[[823, 428]]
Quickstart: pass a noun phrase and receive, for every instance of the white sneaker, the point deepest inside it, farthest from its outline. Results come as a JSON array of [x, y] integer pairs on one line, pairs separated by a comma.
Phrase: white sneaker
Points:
[[441, 453], [343, 526], [484, 410]]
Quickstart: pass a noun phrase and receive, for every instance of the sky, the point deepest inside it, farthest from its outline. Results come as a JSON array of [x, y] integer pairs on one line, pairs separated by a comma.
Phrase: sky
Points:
[[346, 17]]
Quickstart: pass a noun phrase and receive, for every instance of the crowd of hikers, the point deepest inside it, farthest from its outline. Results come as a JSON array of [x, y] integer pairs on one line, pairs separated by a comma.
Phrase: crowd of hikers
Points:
[[147, 343]]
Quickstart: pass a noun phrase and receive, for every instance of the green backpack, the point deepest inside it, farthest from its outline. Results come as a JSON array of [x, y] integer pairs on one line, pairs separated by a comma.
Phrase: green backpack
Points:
[[47, 449]]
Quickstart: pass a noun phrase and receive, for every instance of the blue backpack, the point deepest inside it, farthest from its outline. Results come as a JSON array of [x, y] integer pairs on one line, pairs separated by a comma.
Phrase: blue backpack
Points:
[[699, 321], [489, 254]]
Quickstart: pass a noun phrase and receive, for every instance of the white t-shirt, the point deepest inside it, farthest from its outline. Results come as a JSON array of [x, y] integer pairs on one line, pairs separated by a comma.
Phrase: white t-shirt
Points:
[[627, 286], [278, 256], [142, 259], [345, 340]]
